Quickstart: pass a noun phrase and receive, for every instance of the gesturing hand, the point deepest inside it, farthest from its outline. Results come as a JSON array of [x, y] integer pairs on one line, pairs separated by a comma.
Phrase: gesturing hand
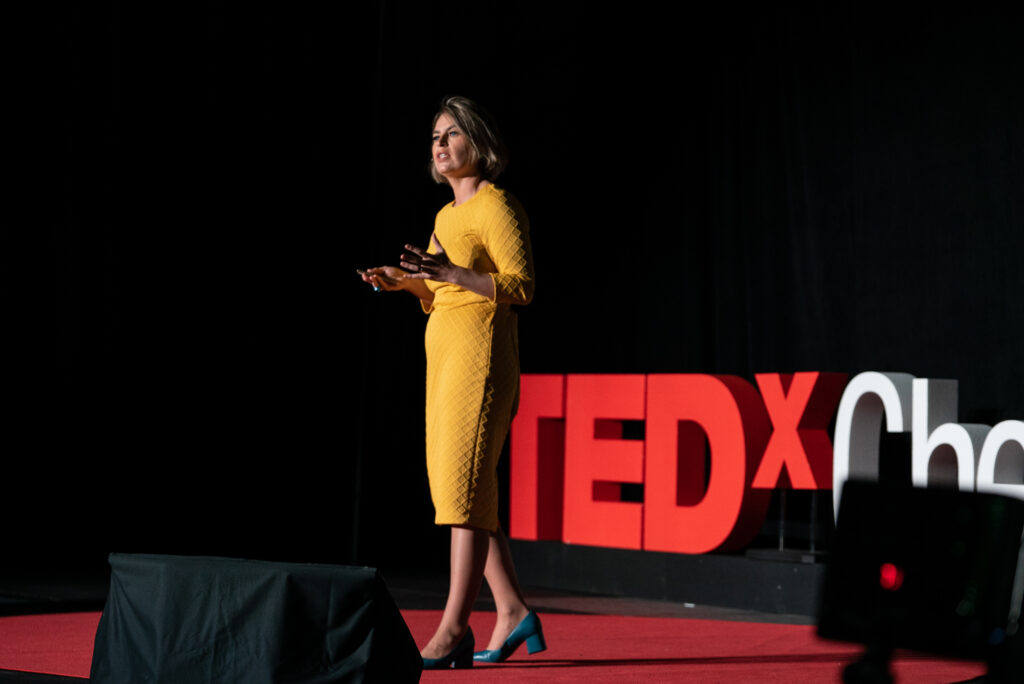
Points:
[[384, 278], [436, 266]]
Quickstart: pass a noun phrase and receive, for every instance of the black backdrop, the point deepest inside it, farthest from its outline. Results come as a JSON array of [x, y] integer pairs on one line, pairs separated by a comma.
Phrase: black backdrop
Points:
[[195, 367]]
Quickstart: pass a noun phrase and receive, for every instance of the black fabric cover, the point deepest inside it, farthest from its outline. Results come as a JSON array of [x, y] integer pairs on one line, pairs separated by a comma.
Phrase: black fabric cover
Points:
[[199, 619]]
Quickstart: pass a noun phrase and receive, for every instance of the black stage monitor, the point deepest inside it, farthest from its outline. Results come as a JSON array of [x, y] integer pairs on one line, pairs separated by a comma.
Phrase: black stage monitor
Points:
[[933, 570]]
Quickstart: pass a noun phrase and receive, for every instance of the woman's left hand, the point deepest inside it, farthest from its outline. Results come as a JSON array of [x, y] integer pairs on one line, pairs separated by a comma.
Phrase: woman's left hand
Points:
[[436, 266]]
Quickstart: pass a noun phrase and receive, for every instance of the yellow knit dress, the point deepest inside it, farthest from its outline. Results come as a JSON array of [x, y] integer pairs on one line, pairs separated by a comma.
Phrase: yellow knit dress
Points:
[[473, 355]]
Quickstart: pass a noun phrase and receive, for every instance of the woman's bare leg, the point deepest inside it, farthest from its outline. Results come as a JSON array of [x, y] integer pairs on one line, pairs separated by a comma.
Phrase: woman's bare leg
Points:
[[469, 554], [509, 603]]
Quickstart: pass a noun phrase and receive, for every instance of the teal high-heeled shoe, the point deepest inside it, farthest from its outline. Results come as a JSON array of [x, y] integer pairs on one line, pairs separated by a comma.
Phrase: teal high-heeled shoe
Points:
[[460, 658], [529, 630]]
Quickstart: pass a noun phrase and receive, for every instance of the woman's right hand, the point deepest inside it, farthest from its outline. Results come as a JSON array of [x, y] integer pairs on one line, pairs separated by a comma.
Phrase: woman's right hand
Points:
[[389, 278]]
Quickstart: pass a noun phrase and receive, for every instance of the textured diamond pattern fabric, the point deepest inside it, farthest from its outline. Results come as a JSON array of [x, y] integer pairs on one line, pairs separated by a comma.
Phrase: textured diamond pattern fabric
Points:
[[473, 356]]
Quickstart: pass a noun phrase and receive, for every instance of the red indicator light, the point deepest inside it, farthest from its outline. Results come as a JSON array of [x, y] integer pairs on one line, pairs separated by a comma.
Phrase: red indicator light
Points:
[[890, 577]]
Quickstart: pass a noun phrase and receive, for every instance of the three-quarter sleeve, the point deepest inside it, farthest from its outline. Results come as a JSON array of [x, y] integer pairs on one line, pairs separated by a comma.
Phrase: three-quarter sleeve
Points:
[[508, 243]]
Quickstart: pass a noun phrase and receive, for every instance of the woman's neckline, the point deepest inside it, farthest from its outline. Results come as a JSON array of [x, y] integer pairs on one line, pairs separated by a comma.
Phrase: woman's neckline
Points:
[[482, 187]]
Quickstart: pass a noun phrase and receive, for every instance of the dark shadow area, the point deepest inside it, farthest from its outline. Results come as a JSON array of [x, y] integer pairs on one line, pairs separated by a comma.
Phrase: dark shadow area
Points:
[[195, 368]]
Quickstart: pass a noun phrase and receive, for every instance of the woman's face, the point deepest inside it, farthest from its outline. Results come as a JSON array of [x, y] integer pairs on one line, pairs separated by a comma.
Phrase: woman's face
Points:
[[451, 150]]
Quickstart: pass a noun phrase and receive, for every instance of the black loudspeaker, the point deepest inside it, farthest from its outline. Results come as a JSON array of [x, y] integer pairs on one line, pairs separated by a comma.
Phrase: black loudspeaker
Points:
[[184, 620], [938, 571]]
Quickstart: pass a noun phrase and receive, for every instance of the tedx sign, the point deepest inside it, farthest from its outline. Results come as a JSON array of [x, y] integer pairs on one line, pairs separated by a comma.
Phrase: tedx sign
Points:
[[714, 446]]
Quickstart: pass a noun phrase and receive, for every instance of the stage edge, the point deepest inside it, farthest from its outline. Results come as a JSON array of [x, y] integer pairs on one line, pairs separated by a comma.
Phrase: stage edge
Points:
[[728, 581]]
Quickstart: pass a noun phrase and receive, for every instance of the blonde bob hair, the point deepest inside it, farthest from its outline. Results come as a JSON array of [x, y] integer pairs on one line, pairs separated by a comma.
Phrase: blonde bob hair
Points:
[[489, 152]]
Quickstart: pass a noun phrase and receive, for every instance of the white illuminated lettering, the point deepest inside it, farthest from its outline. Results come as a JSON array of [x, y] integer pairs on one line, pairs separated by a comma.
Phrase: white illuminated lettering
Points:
[[942, 451], [865, 400], [1001, 464]]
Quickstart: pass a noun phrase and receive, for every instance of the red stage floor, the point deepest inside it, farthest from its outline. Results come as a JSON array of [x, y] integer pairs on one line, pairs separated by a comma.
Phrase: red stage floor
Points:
[[582, 648]]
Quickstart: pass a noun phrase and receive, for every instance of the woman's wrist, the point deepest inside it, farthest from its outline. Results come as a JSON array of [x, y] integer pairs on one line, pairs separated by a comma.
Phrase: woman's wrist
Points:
[[474, 281], [463, 277]]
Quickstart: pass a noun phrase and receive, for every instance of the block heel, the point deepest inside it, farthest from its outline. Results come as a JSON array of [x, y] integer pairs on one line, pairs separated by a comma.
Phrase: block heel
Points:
[[529, 631], [536, 643], [464, 660]]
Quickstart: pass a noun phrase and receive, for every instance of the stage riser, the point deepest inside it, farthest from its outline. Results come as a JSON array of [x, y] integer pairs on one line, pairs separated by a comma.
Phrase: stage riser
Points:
[[728, 581]]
